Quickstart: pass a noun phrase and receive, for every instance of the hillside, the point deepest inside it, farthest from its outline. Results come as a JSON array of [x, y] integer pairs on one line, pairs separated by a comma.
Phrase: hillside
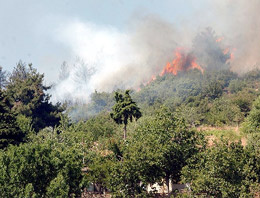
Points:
[[194, 127]]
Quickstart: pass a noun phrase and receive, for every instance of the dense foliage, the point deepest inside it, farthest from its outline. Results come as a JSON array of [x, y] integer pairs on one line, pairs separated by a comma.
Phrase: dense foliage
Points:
[[224, 170], [125, 110], [36, 170], [47, 153], [252, 122], [10, 133], [27, 91]]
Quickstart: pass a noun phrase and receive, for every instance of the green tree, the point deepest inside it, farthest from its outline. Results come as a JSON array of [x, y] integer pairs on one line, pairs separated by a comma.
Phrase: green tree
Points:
[[125, 110], [213, 89], [100, 168], [224, 112], [40, 168], [101, 125], [126, 169], [252, 170], [10, 133], [236, 85], [58, 187], [252, 75], [244, 100], [190, 114], [169, 137], [252, 121], [220, 171], [155, 152], [25, 88]]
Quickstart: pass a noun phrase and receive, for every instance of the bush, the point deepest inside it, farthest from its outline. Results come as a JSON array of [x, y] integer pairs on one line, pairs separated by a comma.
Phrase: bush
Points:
[[252, 122]]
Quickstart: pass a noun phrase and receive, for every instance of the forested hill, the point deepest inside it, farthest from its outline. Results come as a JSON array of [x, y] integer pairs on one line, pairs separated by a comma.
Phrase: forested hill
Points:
[[214, 98], [122, 142]]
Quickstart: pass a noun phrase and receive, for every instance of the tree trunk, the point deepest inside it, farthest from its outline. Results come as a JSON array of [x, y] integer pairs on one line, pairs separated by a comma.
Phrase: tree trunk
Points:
[[125, 132], [167, 184]]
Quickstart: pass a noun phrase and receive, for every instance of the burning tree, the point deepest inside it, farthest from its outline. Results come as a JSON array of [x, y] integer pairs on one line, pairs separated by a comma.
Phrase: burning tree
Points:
[[210, 51], [182, 62]]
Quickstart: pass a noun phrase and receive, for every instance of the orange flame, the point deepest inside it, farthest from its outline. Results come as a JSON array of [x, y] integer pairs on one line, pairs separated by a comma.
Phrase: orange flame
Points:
[[182, 62], [231, 52], [219, 39], [226, 51], [153, 78]]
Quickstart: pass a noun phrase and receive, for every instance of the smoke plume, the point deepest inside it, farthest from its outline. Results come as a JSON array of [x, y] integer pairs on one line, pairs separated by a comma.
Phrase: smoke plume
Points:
[[239, 21], [116, 60], [112, 59]]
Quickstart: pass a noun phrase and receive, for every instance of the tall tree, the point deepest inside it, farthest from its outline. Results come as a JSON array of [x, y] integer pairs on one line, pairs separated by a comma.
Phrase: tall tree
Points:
[[159, 149], [168, 138], [10, 133], [125, 109], [25, 88]]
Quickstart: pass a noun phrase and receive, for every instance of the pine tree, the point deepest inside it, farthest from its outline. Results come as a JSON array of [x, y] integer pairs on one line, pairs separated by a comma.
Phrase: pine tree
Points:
[[125, 109], [27, 91], [10, 133]]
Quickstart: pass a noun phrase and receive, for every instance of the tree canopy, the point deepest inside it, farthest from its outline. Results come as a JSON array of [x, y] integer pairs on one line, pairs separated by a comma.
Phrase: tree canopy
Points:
[[47, 153], [252, 122], [28, 95], [10, 133], [125, 109]]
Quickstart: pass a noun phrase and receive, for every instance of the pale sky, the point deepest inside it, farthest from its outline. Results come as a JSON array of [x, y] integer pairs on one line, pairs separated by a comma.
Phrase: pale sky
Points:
[[124, 41], [29, 27]]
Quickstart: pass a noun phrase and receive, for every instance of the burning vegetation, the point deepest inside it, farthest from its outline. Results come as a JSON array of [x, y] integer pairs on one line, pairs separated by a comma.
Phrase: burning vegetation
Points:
[[192, 96], [182, 62], [209, 52]]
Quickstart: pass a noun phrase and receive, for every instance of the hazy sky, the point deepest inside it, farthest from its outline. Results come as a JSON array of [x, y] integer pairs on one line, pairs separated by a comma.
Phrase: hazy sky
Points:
[[124, 41], [30, 29]]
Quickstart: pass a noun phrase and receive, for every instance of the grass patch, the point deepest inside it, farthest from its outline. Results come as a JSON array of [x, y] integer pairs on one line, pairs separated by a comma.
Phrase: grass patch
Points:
[[230, 133]]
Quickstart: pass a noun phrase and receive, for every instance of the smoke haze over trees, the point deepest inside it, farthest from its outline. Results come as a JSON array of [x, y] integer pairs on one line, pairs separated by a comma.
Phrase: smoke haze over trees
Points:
[[126, 59], [186, 88]]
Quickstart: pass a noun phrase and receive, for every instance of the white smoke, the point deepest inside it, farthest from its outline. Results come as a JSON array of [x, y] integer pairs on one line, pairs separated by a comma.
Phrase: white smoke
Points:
[[239, 22], [125, 59], [117, 60], [104, 49]]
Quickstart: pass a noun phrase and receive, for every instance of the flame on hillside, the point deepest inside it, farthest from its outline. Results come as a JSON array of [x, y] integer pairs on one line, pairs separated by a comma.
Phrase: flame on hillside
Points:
[[152, 79], [219, 39], [231, 53], [185, 60], [182, 62]]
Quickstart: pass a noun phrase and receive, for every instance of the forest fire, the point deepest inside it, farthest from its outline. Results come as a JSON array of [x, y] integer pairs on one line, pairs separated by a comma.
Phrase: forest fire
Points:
[[152, 79], [182, 62], [227, 51], [230, 52], [219, 39], [213, 54]]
